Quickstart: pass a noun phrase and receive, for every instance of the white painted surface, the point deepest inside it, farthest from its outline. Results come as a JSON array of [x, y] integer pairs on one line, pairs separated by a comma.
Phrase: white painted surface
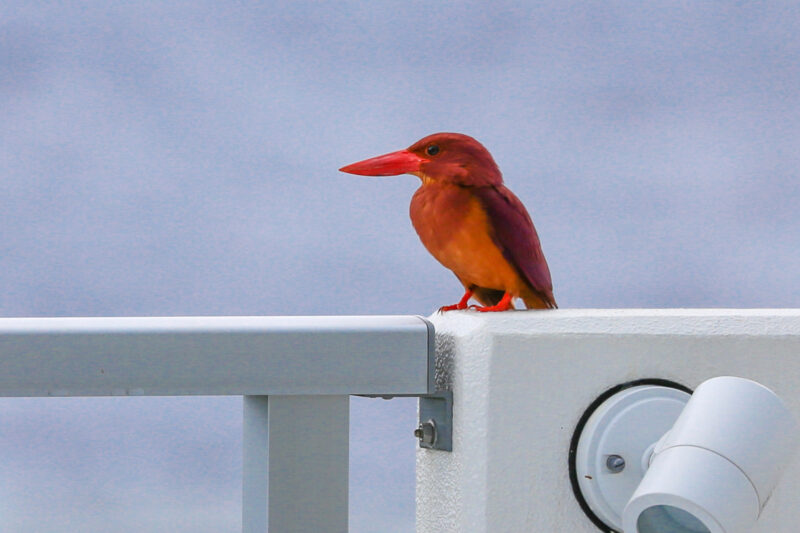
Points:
[[521, 380]]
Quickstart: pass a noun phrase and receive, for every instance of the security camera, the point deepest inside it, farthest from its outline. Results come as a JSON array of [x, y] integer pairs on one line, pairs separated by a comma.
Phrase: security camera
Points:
[[652, 458]]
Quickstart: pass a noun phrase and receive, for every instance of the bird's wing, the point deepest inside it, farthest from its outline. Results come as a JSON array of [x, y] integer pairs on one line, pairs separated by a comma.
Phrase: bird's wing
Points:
[[514, 234]]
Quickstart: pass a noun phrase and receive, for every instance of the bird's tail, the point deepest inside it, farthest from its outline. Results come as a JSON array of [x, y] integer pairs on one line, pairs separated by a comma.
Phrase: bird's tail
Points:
[[539, 301]]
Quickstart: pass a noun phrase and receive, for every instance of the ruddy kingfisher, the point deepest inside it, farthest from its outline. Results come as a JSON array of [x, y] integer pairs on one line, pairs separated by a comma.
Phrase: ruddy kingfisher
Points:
[[470, 222]]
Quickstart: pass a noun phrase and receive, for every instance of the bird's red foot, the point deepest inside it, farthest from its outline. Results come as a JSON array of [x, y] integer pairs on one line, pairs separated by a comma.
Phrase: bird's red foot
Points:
[[503, 305], [462, 304]]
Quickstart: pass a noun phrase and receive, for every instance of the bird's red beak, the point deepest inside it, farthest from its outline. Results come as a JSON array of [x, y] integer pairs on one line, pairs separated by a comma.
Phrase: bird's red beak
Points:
[[394, 164]]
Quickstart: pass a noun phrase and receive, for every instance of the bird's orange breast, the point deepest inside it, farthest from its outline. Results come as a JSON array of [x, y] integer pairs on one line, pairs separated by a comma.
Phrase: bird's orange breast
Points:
[[455, 229]]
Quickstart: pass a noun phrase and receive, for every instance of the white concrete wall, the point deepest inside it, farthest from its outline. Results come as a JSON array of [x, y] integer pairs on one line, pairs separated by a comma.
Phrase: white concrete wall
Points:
[[521, 380]]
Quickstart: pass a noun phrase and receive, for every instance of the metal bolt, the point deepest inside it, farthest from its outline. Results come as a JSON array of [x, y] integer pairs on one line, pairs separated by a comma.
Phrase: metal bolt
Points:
[[426, 432], [615, 464]]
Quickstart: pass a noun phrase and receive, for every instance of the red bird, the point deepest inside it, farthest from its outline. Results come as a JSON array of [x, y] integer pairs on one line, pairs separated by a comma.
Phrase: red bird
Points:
[[470, 222]]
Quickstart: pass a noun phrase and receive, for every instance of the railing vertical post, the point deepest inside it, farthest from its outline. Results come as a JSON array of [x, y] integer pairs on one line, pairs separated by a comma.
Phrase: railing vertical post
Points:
[[296, 460]]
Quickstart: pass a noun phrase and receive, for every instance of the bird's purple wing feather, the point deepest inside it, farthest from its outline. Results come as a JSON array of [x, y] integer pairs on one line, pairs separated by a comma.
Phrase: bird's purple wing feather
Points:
[[514, 234]]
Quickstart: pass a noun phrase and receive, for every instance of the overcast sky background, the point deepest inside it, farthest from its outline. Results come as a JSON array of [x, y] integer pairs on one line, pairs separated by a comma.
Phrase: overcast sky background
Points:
[[181, 159]]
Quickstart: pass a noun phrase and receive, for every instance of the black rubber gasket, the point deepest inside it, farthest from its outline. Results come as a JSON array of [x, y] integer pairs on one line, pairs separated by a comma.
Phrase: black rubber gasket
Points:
[[573, 445]]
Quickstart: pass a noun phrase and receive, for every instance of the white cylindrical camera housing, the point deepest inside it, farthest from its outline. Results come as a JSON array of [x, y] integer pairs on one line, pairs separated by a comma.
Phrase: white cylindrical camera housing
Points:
[[716, 468]]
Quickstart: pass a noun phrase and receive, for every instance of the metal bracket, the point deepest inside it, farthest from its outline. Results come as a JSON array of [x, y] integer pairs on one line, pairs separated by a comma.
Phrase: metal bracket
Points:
[[435, 430]]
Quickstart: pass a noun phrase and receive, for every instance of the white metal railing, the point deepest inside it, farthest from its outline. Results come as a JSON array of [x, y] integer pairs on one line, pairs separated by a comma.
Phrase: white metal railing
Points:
[[523, 380], [296, 375]]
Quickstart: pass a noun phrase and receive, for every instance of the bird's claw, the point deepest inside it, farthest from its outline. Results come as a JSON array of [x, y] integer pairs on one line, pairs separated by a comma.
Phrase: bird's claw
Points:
[[462, 304], [503, 305], [488, 308], [454, 307], [485, 308]]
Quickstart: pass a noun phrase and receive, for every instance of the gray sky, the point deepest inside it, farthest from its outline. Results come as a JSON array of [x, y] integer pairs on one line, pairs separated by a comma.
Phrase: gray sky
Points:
[[180, 159]]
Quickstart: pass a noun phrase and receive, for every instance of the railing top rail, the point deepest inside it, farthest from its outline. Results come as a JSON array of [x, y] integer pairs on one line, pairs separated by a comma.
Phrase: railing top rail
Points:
[[319, 355]]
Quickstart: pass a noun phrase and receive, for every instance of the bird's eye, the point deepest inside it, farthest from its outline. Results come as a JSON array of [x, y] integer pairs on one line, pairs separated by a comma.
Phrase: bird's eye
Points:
[[432, 150]]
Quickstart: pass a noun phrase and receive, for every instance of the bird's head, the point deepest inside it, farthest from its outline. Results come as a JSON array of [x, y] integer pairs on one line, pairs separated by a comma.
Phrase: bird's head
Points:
[[441, 157]]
